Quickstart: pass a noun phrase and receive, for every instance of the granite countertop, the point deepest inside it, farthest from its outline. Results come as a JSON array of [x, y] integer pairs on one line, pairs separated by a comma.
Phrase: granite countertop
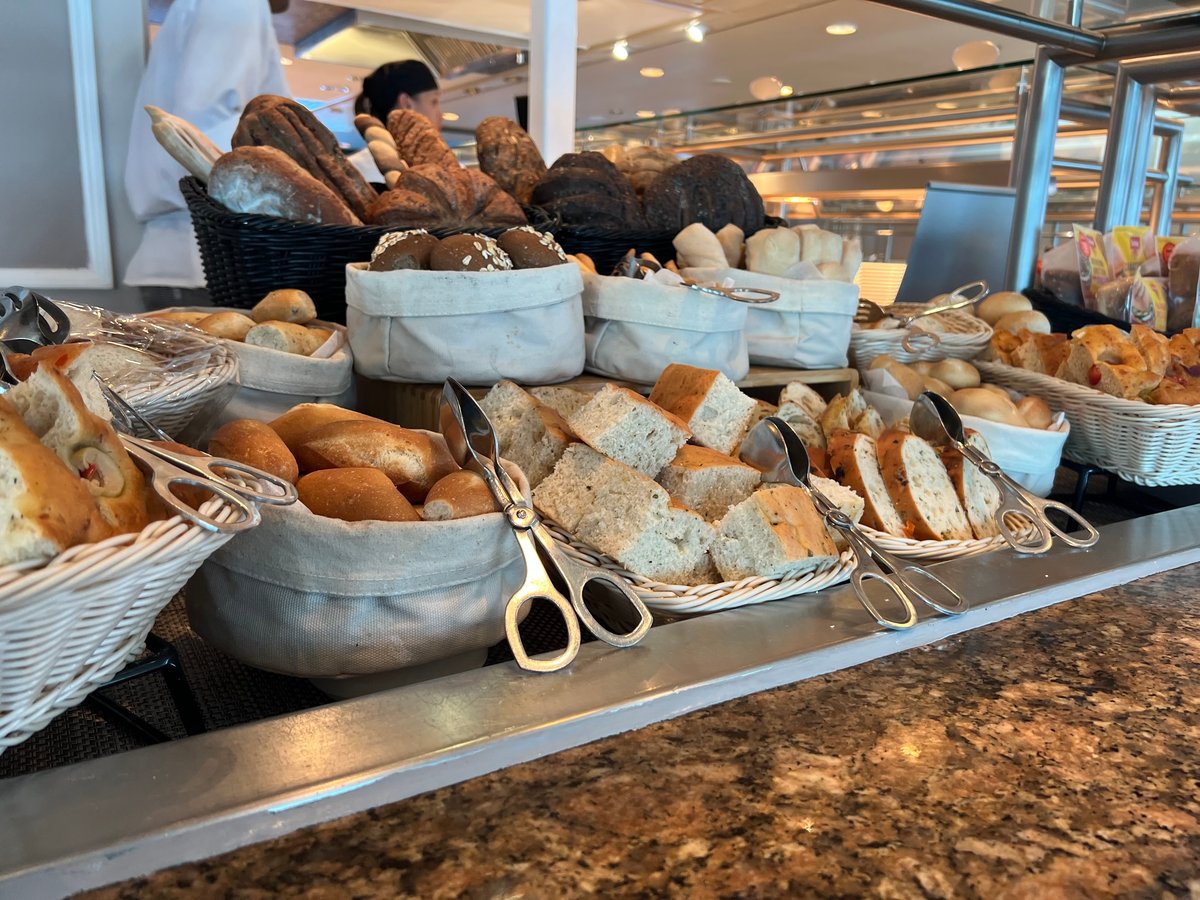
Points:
[[1053, 755]]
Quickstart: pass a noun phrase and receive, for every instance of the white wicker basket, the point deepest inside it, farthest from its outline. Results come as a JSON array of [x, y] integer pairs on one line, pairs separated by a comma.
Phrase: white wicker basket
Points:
[[71, 624], [908, 548], [961, 336], [675, 598], [174, 399], [1148, 444]]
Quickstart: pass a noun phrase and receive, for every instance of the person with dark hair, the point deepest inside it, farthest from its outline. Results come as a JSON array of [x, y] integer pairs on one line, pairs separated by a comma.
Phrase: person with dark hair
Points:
[[408, 84]]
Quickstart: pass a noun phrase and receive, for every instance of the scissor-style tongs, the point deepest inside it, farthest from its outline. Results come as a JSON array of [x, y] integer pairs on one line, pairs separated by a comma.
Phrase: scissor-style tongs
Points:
[[472, 441], [632, 266], [776, 451], [935, 420], [964, 295]]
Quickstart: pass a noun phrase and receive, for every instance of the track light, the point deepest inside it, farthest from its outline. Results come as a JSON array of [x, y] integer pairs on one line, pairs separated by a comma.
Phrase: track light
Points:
[[620, 50], [695, 32]]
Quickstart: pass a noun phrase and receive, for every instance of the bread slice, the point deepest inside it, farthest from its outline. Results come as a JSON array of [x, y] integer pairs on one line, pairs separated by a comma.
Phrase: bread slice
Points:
[[869, 422], [848, 502], [708, 403], [805, 397], [1042, 353], [978, 494], [843, 411], [504, 406], [629, 428], [626, 515], [563, 400], [855, 463], [79, 361], [776, 532], [1152, 346], [921, 488], [537, 441], [707, 481], [805, 426]]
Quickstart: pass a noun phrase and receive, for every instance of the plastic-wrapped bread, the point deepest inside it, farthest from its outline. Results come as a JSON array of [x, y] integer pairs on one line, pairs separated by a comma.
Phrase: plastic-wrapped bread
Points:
[[699, 247], [772, 251]]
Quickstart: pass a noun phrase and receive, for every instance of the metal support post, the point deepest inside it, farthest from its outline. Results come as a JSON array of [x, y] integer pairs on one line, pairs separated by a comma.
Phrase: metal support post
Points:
[[552, 77], [1123, 179], [1163, 209]]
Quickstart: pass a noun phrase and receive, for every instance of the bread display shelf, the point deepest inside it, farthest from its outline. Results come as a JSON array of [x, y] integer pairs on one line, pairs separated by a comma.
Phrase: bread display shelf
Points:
[[673, 598], [1151, 445], [962, 336]]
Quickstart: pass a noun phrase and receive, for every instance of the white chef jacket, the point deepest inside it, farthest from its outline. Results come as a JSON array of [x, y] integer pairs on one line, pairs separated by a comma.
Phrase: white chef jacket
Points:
[[210, 58]]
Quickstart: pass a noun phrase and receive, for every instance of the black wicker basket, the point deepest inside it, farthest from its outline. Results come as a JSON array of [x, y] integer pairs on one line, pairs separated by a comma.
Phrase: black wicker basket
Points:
[[1066, 317]]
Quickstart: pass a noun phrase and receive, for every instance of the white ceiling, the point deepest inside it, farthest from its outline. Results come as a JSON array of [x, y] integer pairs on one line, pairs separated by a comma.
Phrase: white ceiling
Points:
[[746, 39]]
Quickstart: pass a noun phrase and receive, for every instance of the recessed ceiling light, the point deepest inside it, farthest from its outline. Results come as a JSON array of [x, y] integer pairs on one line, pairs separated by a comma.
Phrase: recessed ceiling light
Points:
[[620, 50], [765, 87], [645, 114], [975, 55], [841, 29], [722, 79], [695, 32], [872, 114], [651, 72], [786, 91], [672, 111], [885, 232], [946, 104], [286, 61], [885, 205], [450, 117]]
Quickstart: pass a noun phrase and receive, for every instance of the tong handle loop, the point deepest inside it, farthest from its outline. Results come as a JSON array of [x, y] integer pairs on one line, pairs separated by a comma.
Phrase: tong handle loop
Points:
[[536, 586]]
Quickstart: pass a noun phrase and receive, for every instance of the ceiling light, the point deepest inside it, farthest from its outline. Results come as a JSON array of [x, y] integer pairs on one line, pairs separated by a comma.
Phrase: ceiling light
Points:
[[885, 206], [885, 232], [449, 117], [672, 112], [286, 61], [645, 114], [946, 104], [871, 114], [841, 29], [975, 55], [786, 91], [695, 32], [722, 79], [620, 50], [651, 72], [766, 87]]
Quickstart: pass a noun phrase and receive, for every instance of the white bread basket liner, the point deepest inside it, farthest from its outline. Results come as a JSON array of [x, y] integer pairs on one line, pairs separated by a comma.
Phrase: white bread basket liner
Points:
[[415, 326], [1149, 444], [320, 598], [677, 598], [808, 327], [636, 328], [71, 624], [962, 336]]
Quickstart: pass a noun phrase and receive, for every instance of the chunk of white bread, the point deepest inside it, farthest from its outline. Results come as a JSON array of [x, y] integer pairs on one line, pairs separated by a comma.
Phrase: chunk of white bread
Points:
[[978, 494], [531, 434], [854, 462], [848, 502], [776, 532], [563, 400], [805, 397], [707, 481], [504, 405], [921, 488], [708, 403], [806, 427], [80, 360], [629, 428], [626, 515]]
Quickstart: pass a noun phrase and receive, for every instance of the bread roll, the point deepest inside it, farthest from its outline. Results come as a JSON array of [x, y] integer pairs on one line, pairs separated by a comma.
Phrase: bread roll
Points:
[[457, 496], [179, 317], [285, 306], [286, 337], [772, 250], [936, 385], [1028, 320], [255, 444], [995, 389], [411, 459], [912, 383], [991, 308], [355, 495], [987, 405], [294, 426], [958, 373], [1035, 411], [229, 325], [700, 247], [733, 242], [921, 366]]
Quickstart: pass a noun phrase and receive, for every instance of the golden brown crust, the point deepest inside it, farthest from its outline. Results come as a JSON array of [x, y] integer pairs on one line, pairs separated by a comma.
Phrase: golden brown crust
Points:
[[354, 495], [508, 155], [681, 389], [457, 496], [255, 444], [294, 426]]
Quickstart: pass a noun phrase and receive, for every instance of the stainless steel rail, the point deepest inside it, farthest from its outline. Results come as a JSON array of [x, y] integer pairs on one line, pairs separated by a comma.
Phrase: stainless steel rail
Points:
[[86, 825]]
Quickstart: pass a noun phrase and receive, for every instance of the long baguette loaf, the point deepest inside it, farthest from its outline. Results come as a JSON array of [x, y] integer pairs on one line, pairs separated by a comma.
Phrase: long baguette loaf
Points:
[[920, 487]]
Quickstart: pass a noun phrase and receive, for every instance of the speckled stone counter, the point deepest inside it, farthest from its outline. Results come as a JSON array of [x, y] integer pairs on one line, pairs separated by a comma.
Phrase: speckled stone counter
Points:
[[1054, 755]]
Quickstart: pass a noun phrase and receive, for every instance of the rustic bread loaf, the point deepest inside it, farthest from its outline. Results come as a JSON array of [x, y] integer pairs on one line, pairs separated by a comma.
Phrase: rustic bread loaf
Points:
[[707, 188], [267, 182], [255, 444], [1103, 357], [921, 489], [707, 402], [775, 533], [979, 496], [80, 361], [641, 165], [629, 428], [355, 495], [272, 121], [707, 481], [586, 189], [418, 142], [458, 495], [855, 463], [436, 197], [626, 515], [509, 155], [294, 426]]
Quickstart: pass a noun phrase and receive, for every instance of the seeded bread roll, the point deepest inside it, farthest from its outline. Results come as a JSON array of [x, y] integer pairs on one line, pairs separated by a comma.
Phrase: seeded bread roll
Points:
[[529, 248], [629, 428], [775, 533], [403, 250], [417, 141], [232, 326], [288, 305], [855, 463], [255, 444], [469, 253], [979, 496], [707, 481], [921, 489], [354, 495], [707, 402], [295, 425], [457, 496], [286, 337]]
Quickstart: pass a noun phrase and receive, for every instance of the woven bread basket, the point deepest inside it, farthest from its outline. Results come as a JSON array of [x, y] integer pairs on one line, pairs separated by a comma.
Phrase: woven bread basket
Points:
[[675, 598], [176, 398], [71, 624], [1149, 444], [961, 336]]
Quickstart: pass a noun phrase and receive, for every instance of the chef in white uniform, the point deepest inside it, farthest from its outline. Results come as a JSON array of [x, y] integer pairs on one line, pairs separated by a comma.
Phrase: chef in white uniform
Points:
[[209, 59], [396, 85]]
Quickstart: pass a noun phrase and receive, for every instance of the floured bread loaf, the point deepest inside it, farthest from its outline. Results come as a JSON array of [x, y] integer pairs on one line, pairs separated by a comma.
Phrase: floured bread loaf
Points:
[[626, 515], [707, 481], [776, 532], [629, 428], [921, 488], [708, 403]]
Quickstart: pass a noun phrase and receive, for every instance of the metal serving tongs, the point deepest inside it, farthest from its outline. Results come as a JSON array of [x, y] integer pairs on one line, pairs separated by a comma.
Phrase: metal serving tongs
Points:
[[775, 450], [28, 320], [472, 441], [632, 266], [965, 295], [935, 420]]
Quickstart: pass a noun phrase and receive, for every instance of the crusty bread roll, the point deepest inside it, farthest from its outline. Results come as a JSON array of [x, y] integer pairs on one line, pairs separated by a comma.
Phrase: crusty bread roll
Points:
[[939, 387], [457, 496], [995, 389], [286, 337], [958, 373], [255, 444], [700, 247], [288, 305], [908, 378], [988, 405], [1028, 320], [355, 495], [411, 459], [227, 324], [1035, 411], [294, 426], [991, 308]]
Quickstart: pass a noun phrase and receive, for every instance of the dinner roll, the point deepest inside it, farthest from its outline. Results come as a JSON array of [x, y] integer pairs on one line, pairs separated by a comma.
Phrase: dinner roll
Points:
[[355, 495], [922, 367], [991, 308], [285, 306], [457, 496], [936, 385], [987, 405], [995, 389], [287, 337], [1036, 411], [255, 444], [227, 324], [958, 373], [1030, 320], [907, 377], [294, 426]]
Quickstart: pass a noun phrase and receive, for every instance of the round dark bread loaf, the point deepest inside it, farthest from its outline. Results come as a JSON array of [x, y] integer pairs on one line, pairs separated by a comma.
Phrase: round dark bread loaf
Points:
[[529, 248], [587, 189], [469, 253], [709, 189], [403, 250], [509, 155], [641, 165]]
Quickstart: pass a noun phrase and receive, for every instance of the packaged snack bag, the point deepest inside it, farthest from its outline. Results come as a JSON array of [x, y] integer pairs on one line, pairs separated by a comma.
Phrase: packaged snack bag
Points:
[[1183, 275], [1094, 271], [1148, 302]]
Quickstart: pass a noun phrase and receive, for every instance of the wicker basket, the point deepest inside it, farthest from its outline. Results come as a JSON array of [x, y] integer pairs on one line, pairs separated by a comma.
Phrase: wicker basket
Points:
[[70, 625], [674, 598], [907, 548], [1148, 444], [175, 400], [963, 337]]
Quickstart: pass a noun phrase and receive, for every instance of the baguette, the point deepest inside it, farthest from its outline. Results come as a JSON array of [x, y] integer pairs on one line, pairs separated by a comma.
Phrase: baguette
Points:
[[232, 326], [921, 489], [457, 496], [855, 463], [255, 444], [354, 495], [294, 426], [287, 337], [288, 305]]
